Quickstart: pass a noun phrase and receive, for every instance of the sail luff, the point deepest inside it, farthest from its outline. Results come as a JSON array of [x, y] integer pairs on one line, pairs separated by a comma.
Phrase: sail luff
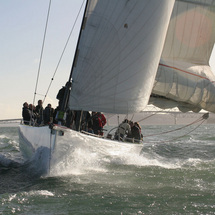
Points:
[[65, 101], [76, 50], [120, 48]]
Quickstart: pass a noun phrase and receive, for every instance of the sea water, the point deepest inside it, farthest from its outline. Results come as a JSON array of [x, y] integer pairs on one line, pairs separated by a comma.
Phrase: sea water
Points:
[[165, 175]]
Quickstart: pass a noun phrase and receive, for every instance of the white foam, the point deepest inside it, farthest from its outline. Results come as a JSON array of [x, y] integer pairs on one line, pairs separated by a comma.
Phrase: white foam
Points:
[[88, 154], [40, 193]]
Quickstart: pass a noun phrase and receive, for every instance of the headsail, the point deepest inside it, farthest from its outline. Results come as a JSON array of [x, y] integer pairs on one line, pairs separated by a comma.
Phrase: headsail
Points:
[[184, 74], [118, 54]]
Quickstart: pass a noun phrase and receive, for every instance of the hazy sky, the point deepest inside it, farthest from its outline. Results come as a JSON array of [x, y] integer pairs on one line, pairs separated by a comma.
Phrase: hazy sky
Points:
[[22, 24]]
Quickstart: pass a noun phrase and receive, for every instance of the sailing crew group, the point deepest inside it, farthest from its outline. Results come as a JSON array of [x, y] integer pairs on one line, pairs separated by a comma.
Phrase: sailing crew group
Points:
[[128, 131], [80, 120], [38, 116]]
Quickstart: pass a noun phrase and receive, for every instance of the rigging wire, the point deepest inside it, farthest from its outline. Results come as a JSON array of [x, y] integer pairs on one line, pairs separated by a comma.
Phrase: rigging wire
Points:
[[170, 140], [196, 121], [41, 55], [157, 112], [202, 118], [52, 79]]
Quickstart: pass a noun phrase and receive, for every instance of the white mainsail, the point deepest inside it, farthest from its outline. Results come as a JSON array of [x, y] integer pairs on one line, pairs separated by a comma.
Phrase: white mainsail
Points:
[[118, 54], [184, 74]]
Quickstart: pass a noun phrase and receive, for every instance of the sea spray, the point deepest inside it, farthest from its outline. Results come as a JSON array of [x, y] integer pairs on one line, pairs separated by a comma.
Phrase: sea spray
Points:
[[165, 178], [91, 154]]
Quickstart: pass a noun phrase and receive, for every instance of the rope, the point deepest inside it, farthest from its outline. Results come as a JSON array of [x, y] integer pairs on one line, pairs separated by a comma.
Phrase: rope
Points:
[[166, 141], [150, 115], [203, 118], [41, 55], [52, 79], [175, 129]]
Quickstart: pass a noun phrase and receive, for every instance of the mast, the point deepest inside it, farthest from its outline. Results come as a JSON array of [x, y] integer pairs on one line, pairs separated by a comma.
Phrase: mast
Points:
[[76, 51], [69, 84]]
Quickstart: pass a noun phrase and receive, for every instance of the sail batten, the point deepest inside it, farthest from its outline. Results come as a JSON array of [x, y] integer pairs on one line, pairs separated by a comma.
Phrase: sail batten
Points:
[[119, 51]]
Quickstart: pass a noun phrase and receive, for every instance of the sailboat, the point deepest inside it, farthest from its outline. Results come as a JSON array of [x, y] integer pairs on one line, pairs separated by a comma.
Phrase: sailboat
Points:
[[122, 63]]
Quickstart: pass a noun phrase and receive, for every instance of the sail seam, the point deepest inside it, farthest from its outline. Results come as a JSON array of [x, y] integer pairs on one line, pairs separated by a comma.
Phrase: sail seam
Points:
[[186, 72]]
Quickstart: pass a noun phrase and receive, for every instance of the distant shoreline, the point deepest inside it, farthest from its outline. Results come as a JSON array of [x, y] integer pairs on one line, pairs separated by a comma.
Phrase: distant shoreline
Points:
[[145, 118]]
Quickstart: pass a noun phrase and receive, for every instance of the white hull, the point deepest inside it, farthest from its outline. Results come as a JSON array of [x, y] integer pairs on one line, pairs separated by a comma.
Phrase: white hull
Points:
[[48, 148], [32, 138], [36, 144]]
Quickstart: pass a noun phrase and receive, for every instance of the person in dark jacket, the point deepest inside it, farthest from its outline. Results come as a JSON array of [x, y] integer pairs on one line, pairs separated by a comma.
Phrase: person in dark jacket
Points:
[[48, 114], [96, 123], [135, 133], [60, 96], [26, 114], [39, 112]]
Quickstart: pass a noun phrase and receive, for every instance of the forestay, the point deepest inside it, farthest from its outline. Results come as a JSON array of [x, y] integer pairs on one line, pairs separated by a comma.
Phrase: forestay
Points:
[[184, 74], [118, 54]]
